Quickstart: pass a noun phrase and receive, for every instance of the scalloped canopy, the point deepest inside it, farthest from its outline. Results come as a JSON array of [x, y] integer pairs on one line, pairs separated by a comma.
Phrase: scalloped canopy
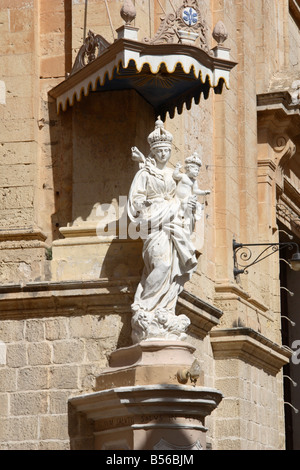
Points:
[[168, 76]]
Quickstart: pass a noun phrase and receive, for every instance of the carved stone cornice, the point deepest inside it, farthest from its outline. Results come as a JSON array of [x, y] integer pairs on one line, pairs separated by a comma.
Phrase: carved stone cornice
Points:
[[18, 234], [203, 316], [131, 402], [251, 347], [23, 238], [66, 298], [276, 112], [227, 291], [267, 163], [96, 297]]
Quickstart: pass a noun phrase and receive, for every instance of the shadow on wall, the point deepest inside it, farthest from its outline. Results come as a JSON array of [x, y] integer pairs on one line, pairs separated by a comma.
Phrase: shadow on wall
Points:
[[80, 430], [91, 152], [61, 164]]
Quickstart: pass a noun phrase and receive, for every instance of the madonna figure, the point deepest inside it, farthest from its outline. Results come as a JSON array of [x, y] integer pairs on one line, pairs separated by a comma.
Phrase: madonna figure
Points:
[[168, 254]]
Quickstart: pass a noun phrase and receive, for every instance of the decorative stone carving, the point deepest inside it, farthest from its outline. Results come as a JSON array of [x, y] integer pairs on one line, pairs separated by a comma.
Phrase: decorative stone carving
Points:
[[184, 26], [284, 148], [187, 184], [92, 48], [251, 346], [165, 214], [128, 11], [220, 33]]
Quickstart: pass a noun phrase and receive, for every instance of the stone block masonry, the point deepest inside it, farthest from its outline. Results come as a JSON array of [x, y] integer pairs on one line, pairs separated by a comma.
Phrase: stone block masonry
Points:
[[44, 362]]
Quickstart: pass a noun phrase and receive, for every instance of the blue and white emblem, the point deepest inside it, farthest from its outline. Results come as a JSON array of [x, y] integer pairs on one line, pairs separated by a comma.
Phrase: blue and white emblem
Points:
[[190, 16]]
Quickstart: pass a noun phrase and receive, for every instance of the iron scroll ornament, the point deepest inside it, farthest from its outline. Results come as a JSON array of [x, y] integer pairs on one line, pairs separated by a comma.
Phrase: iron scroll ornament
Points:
[[242, 254]]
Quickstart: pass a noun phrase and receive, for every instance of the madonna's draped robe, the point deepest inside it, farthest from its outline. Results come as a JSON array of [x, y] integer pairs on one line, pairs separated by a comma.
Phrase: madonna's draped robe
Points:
[[169, 255]]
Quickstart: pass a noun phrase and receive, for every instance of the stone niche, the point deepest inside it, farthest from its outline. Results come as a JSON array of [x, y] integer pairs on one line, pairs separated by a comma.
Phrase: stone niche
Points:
[[103, 127]]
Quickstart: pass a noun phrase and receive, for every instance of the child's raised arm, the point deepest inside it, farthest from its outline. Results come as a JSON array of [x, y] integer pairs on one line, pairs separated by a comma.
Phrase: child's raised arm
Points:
[[176, 173]]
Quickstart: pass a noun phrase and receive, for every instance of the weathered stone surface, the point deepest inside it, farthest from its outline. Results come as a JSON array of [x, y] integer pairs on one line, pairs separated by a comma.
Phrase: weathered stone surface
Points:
[[56, 169]]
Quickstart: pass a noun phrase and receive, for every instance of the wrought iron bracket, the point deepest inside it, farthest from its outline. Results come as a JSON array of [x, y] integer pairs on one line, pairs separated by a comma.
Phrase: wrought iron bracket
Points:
[[242, 254]]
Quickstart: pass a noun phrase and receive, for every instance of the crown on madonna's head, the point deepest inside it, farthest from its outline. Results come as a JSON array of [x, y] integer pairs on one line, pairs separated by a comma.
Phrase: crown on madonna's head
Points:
[[193, 159], [160, 136]]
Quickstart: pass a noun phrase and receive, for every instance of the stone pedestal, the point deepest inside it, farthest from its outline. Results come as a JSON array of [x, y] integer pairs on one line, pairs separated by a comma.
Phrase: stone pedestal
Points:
[[139, 404]]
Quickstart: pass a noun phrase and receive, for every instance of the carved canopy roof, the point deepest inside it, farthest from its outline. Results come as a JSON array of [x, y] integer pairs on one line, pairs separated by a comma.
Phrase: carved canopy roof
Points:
[[171, 70]]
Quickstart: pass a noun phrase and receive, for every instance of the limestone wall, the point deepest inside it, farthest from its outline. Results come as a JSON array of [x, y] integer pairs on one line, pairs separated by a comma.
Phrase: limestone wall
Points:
[[19, 142], [48, 360], [54, 169]]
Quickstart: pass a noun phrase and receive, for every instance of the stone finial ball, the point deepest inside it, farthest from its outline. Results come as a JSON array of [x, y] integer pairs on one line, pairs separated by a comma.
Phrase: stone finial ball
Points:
[[128, 11], [220, 33]]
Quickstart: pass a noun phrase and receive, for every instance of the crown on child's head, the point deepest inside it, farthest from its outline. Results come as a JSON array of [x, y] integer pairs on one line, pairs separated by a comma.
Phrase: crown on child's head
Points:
[[193, 159], [160, 136]]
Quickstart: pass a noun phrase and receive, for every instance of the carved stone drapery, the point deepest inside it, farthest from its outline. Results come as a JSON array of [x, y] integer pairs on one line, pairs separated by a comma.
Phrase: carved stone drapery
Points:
[[163, 204]]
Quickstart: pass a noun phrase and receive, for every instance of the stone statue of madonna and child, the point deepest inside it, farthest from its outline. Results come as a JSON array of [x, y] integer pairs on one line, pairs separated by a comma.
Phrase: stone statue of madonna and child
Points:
[[163, 204]]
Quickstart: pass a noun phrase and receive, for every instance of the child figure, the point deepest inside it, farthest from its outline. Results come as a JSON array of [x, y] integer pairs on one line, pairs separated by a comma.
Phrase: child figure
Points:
[[187, 183], [187, 191]]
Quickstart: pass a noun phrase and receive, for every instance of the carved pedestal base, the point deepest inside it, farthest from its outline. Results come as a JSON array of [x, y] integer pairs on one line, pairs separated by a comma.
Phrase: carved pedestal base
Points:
[[140, 405]]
